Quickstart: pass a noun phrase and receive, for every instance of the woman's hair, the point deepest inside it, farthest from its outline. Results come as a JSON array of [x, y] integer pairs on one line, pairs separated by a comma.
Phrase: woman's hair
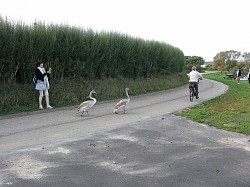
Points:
[[38, 64]]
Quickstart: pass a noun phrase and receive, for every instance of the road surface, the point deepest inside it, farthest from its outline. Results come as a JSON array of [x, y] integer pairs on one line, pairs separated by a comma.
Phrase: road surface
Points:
[[147, 146]]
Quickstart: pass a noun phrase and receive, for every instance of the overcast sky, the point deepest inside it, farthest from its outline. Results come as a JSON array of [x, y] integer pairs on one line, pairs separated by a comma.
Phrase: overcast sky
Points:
[[198, 27]]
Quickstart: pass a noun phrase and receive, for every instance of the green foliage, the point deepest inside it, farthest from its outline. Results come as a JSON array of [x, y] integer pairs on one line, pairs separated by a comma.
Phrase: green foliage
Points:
[[230, 111], [227, 60], [75, 53], [246, 57], [193, 61], [208, 67]]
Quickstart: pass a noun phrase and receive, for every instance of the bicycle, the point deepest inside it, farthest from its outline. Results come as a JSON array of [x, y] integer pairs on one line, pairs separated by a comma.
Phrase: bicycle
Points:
[[192, 92]]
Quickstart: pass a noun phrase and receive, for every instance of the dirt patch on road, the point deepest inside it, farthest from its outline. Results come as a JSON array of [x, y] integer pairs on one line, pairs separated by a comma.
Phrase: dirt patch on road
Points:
[[242, 143], [26, 167]]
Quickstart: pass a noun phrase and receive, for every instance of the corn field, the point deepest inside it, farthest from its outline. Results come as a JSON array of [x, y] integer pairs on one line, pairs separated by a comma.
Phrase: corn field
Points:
[[74, 52], [81, 60]]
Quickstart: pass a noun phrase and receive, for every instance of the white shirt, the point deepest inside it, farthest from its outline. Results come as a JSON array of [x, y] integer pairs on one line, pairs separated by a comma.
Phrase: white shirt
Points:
[[194, 76], [237, 73], [46, 80]]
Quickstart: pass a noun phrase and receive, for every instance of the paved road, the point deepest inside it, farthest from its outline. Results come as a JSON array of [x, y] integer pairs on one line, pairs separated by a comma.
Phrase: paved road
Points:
[[147, 146]]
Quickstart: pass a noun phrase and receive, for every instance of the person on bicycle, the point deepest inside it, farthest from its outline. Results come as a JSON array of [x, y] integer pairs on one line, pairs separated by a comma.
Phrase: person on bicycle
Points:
[[194, 77]]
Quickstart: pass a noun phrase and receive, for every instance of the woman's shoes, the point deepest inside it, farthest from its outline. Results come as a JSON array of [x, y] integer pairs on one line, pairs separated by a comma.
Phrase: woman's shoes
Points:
[[49, 107]]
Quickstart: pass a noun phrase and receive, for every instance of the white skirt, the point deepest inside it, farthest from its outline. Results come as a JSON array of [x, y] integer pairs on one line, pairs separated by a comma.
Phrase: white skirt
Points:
[[40, 85]]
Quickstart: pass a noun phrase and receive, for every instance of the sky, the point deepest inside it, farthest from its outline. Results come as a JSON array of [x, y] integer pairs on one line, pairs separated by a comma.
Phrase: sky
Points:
[[197, 27]]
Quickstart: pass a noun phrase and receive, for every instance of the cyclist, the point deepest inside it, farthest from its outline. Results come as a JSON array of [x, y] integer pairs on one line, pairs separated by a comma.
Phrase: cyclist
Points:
[[194, 77]]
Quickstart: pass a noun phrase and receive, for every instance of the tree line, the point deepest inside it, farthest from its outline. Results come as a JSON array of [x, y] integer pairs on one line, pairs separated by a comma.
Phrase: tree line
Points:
[[230, 60], [223, 61]]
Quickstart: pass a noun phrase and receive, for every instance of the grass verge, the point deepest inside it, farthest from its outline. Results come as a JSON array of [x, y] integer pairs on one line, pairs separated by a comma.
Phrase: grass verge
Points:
[[230, 112]]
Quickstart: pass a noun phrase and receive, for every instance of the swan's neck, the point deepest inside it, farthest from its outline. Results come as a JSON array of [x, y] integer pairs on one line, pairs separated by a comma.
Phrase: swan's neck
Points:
[[127, 94], [90, 96]]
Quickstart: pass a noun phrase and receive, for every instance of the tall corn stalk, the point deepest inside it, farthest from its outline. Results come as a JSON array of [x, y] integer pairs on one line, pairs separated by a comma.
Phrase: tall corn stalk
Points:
[[74, 52]]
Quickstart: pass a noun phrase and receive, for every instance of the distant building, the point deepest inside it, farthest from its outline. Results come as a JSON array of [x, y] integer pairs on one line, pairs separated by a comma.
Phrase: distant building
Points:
[[206, 63]]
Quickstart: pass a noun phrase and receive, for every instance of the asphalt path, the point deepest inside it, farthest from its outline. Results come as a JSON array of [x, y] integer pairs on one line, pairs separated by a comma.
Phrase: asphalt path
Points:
[[147, 146]]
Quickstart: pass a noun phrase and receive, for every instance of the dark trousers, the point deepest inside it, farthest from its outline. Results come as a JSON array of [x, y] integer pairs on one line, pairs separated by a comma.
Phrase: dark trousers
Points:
[[196, 88]]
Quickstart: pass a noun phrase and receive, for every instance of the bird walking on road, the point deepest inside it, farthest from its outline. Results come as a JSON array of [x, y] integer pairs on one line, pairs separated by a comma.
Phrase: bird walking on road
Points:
[[86, 105], [121, 105]]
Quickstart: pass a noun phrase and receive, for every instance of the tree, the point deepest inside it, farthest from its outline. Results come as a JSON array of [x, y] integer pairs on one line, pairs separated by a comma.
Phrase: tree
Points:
[[194, 61], [227, 60], [246, 57]]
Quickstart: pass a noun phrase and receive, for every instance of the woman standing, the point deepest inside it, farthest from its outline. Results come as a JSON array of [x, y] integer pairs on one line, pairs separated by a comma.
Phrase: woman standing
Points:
[[42, 84], [238, 75]]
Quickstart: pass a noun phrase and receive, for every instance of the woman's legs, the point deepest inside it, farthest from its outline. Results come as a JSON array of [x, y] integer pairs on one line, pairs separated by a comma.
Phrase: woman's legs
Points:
[[41, 94], [40, 99], [238, 80], [47, 99]]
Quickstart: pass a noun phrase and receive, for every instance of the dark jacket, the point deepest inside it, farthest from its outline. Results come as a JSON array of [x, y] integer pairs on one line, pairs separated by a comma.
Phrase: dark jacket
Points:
[[239, 74], [39, 75]]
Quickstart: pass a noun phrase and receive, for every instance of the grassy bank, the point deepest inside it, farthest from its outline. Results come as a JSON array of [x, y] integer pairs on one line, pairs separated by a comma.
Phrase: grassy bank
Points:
[[16, 98], [230, 111]]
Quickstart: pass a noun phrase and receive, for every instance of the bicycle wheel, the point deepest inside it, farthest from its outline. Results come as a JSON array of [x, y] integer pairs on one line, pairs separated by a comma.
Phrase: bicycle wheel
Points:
[[191, 94]]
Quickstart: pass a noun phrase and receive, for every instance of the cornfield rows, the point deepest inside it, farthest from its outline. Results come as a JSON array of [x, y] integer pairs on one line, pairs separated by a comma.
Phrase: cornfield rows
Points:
[[74, 52]]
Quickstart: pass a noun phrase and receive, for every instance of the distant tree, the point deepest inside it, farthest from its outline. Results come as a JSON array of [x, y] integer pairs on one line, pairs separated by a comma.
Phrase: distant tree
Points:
[[194, 61], [244, 64], [227, 60], [246, 57]]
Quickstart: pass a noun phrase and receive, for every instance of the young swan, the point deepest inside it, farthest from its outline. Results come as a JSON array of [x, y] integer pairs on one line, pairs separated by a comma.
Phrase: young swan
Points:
[[122, 103], [86, 105]]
